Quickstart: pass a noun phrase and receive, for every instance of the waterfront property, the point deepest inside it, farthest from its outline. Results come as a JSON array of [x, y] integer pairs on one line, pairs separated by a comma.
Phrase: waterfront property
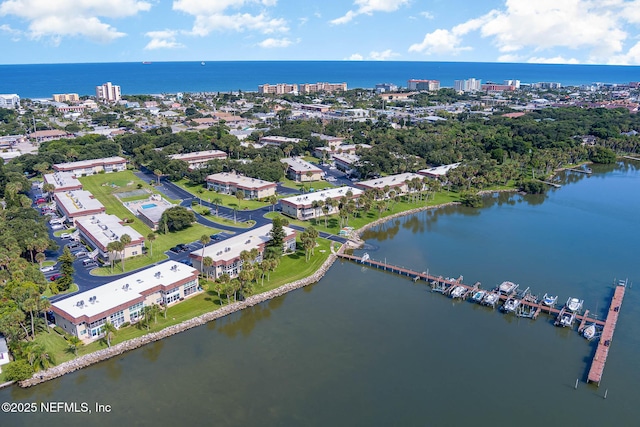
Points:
[[302, 206], [108, 92], [226, 254], [63, 181], [100, 230], [302, 171], [438, 171], [231, 182], [89, 167], [4, 352], [123, 300], [392, 182], [199, 159], [77, 204], [11, 100]]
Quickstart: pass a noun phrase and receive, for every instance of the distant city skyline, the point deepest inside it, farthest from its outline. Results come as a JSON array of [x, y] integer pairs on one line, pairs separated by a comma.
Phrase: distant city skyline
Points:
[[543, 31]]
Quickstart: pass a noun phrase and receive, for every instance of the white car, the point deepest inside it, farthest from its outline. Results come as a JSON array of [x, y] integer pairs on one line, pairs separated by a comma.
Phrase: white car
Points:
[[65, 236], [47, 268]]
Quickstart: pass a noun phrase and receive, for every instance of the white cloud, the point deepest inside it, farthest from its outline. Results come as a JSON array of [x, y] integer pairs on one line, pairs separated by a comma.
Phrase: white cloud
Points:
[[631, 57], [164, 39], [382, 56], [427, 15], [213, 15], [57, 19], [368, 7], [355, 57], [15, 34], [528, 29], [275, 43]]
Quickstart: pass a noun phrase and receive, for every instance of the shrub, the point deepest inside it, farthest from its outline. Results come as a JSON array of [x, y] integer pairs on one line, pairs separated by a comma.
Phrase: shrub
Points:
[[18, 371]]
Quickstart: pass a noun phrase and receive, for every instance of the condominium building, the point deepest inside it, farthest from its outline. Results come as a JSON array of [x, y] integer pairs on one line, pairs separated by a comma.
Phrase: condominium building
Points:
[[346, 162], [66, 97], [199, 159], [10, 100], [492, 87], [278, 89], [418, 84], [90, 167], [77, 204], [226, 254], [108, 92], [302, 206], [438, 171], [63, 181], [123, 300], [231, 182], [101, 229], [302, 171], [386, 87], [49, 135], [322, 87], [278, 140], [392, 182], [322, 152], [469, 85]]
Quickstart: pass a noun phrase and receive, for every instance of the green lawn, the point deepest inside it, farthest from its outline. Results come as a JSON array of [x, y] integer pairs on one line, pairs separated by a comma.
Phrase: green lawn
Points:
[[316, 185], [292, 267], [200, 190], [206, 212], [103, 187], [60, 232], [73, 288]]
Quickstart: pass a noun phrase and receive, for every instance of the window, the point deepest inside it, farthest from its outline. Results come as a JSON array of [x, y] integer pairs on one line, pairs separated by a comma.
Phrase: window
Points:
[[190, 288]]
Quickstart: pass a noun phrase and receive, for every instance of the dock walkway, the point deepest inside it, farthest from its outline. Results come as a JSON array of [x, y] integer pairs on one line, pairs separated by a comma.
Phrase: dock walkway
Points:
[[600, 358]]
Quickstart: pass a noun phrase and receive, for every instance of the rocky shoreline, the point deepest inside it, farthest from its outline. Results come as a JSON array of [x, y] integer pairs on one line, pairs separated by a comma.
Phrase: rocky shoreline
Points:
[[107, 353]]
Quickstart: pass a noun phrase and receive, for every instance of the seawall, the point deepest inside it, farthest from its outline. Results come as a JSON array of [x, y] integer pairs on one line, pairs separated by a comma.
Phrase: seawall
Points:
[[123, 347]]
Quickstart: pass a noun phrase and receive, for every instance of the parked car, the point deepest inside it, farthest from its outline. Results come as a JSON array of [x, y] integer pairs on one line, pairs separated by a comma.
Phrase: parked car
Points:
[[89, 262], [187, 262], [81, 254], [41, 200], [55, 277], [47, 268], [180, 247], [74, 246], [56, 227], [65, 236]]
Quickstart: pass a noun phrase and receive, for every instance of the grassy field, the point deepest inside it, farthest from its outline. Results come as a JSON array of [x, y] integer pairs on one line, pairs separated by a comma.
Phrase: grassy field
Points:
[[104, 186], [73, 288], [316, 185], [292, 267], [205, 211], [363, 218], [61, 232], [200, 190]]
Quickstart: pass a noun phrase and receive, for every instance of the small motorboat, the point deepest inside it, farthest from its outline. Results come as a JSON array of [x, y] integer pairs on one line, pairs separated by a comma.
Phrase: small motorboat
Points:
[[511, 305], [491, 299], [478, 296], [589, 332], [507, 287], [574, 304], [567, 319], [457, 292], [549, 300]]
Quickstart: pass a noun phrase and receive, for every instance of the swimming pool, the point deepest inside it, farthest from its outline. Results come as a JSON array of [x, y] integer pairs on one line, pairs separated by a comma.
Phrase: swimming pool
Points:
[[148, 205]]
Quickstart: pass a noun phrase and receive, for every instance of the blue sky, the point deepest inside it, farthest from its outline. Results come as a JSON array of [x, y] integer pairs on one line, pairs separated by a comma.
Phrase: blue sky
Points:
[[551, 31]]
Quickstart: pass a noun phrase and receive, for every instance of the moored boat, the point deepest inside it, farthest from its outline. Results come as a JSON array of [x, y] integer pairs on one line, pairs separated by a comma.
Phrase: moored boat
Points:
[[589, 332], [511, 305], [549, 300], [507, 287], [458, 291], [478, 296], [574, 304], [491, 299], [567, 318]]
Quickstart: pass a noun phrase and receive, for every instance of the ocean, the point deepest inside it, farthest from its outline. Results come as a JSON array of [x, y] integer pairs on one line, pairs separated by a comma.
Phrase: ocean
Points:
[[43, 80]]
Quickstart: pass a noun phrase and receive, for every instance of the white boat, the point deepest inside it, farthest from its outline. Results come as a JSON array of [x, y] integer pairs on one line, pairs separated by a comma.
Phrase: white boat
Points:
[[507, 287], [511, 305], [458, 291], [478, 296], [567, 319], [491, 299], [574, 304], [549, 300], [589, 332]]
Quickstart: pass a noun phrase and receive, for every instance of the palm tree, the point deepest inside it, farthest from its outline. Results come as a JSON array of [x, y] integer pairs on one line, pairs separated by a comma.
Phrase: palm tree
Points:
[[207, 263], [240, 197], [48, 188], [40, 258], [74, 343], [204, 239], [112, 248], [125, 239], [150, 238], [109, 332], [158, 174], [217, 201], [274, 201]]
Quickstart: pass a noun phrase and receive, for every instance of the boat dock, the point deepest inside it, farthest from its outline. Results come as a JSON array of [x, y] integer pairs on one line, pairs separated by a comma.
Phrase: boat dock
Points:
[[530, 306], [585, 171], [553, 184], [631, 158], [600, 358]]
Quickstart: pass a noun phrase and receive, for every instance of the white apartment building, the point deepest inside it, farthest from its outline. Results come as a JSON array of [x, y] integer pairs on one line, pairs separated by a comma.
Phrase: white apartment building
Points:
[[469, 85], [10, 100], [230, 183], [77, 204], [89, 167], [108, 92], [199, 159], [392, 182], [123, 300], [301, 206], [302, 171], [101, 229], [63, 181]]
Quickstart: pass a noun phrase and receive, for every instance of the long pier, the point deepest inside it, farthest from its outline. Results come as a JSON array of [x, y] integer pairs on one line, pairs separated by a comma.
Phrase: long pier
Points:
[[600, 358], [609, 324], [630, 158]]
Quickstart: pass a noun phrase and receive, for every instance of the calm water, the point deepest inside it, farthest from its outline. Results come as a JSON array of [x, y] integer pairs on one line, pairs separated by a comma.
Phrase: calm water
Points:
[[367, 348], [43, 80]]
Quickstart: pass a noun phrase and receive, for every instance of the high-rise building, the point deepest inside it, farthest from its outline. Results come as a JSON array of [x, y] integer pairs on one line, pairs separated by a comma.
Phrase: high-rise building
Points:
[[323, 87], [469, 85], [108, 92], [11, 100], [278, 89], [514, 83], [386, 87]]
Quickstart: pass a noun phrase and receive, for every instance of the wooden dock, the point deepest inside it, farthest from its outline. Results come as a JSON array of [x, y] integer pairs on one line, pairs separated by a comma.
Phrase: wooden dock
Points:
[[553, 184], [585, 171], [600, 358], [609, 324], [630, 158]]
